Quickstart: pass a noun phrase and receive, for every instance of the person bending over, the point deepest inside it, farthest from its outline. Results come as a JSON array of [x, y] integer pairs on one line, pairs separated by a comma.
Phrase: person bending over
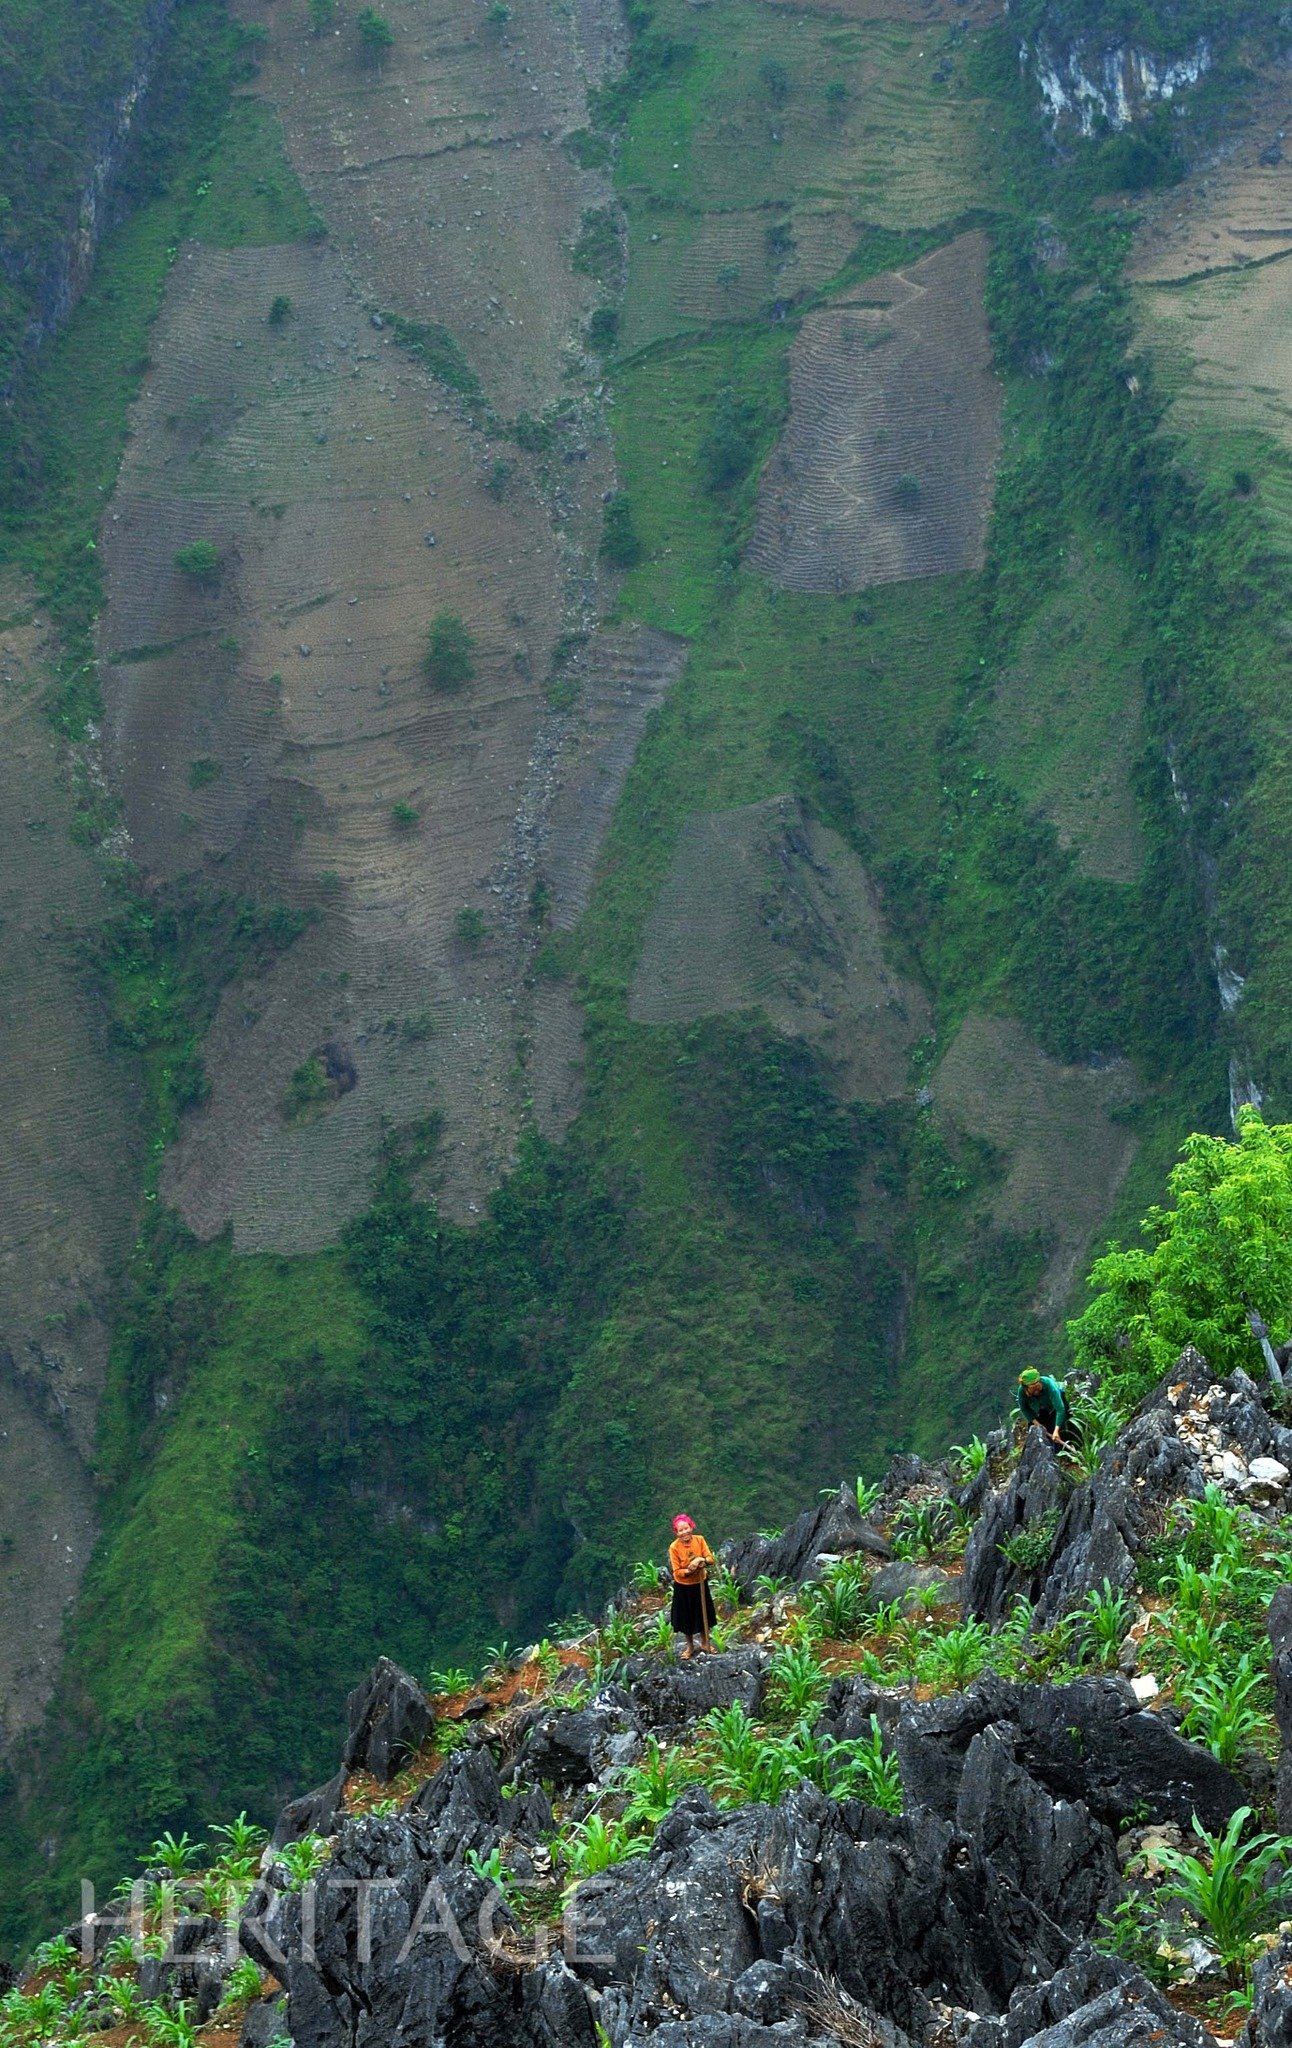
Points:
[[1042, 1399]]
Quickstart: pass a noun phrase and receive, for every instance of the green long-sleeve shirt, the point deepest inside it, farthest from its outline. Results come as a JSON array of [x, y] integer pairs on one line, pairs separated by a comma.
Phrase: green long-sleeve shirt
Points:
[[1046, 1404]]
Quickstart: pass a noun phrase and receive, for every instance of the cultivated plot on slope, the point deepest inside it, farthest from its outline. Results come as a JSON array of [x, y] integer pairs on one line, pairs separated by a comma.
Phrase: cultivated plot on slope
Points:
[[1065, 720], [1235, 207], [271, 721], [1066, 1156], [886, 467], [439, 175], [750, 173], [1225, 345], [764, 908]]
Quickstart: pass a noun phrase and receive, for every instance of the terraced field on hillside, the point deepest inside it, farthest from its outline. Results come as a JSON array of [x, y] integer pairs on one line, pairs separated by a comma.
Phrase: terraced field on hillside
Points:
[[780, 143], [887, 466]]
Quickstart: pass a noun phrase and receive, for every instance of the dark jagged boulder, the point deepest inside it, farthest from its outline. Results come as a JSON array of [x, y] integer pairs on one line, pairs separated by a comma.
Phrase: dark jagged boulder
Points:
[[579, 1745], [1279, 1623], [725, 2030], [1088, 1741], [394, 1946], [314, 1813], [1028, 1506], [462, 1809], [667, 1695], [833, 1529], [900, 1579], [1270, 2023], [390, 1719], [1054, 1849], [193, 1968], [265, 2022], [894, 1911], [1095, 1998], [850, 1705]]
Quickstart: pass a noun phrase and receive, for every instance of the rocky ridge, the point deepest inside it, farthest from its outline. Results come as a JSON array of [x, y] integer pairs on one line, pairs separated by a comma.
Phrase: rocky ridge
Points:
[[956, 1735]]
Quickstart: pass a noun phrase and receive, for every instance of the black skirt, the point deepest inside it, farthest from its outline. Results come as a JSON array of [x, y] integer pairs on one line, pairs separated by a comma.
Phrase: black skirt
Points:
[[692, 1607]]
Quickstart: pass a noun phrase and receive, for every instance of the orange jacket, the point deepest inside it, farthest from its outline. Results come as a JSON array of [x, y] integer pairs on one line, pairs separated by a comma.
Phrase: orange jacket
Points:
[[683, 1551]]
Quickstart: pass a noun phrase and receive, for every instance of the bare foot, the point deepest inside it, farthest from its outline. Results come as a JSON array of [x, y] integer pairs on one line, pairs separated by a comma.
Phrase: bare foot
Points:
[[689, 1651]]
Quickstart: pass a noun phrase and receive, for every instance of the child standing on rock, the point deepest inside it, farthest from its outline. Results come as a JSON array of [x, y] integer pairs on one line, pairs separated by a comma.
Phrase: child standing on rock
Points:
[[689, 1558]]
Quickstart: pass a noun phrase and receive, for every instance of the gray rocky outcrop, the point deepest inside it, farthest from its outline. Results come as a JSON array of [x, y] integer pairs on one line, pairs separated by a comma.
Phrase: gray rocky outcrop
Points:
[[1270, 2022], [965, 1920], [1089, 1741], [1093, 1999], [1192, 1431], [390, 1718], [193, 1968], [834, 1529], [265, 2022], [578, 1745], [1054, 1849], [312, 1814], [668, 1695], [896, 1912], [1279, 1623]]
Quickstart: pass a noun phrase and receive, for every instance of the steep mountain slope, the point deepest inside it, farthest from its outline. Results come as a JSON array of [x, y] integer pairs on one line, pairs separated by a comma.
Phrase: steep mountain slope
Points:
[[969, 1764], [693, 1036]]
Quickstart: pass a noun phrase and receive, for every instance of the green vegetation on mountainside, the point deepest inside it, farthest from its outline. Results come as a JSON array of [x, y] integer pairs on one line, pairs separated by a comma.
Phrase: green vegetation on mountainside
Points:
[[727, 1284], [1205, 1582]]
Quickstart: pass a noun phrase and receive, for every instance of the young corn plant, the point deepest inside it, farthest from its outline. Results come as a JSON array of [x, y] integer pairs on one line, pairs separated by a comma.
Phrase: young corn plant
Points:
[[124, 1997], [1235, 1889], [659, 1637], [1103, 1620], [863, 1769], [492, 1870], [303, 1860], [1096, 1420], [837, 1604], [654, 1785], [730, 1732], [1215, 1527], [176, 1856], [444, 1684], [970, 1459], [955, 1658], [768, 1589], [620, 1634], [1224, 1712], [163, 2029], [797, 1684], [241, 1837], [597, 1844], [922, 1528], [645, 1576]]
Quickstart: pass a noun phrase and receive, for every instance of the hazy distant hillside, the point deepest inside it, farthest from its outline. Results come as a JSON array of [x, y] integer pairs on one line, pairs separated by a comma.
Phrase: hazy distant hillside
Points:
[[644, 684]]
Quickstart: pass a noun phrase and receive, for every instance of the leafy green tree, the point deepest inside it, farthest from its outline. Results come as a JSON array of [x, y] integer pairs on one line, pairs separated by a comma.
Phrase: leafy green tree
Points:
[[322, 15], [375, 34], [728, 448], [448, 652], [199, 559], [1217, 1272], [619, 541]]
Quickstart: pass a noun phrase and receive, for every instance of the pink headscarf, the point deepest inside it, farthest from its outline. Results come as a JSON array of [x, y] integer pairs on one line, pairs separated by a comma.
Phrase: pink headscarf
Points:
[[681, 1522]]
